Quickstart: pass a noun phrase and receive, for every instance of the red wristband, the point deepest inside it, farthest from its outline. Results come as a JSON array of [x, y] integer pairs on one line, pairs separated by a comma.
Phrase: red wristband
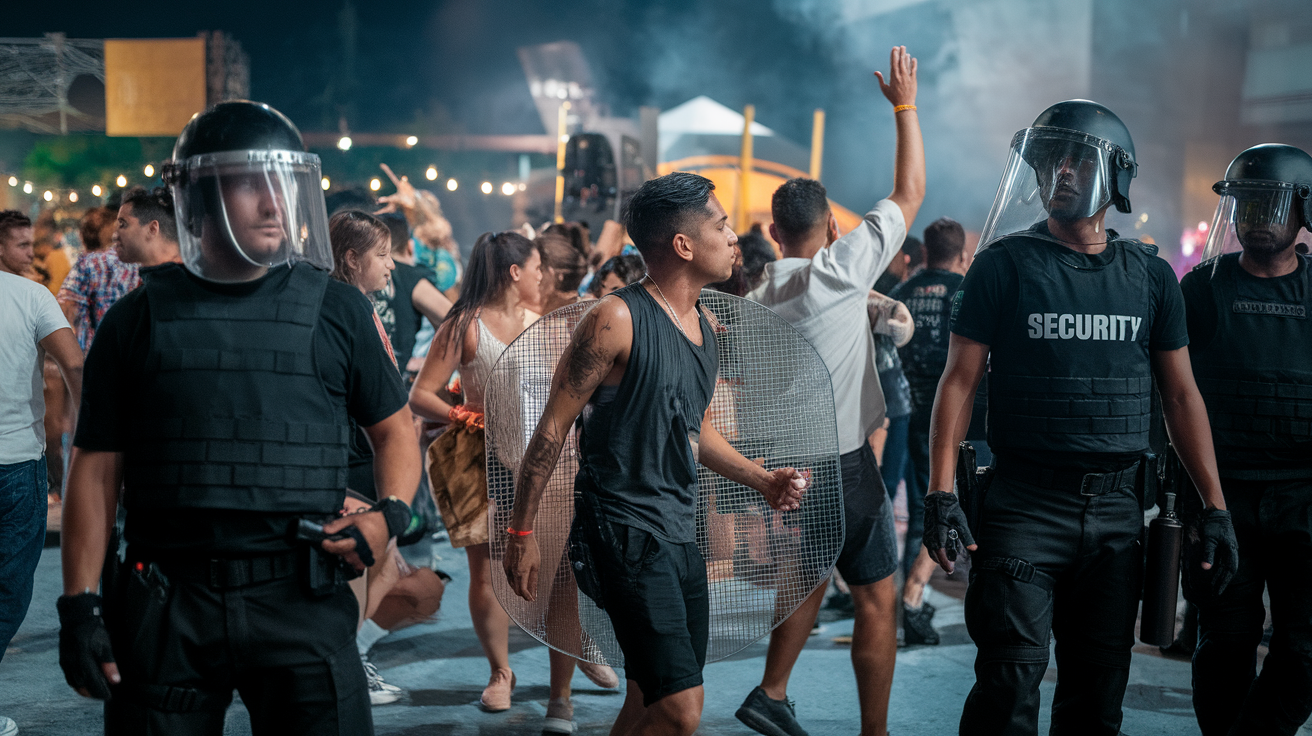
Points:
[[514, 532]]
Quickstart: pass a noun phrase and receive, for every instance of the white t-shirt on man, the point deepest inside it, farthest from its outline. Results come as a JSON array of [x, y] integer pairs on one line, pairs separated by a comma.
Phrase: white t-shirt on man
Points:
[[28, 315], [825, 299]]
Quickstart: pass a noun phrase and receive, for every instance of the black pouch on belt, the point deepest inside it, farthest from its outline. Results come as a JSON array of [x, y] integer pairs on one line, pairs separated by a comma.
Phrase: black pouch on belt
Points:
[[589, 524], [968, 486], [1148, 480]]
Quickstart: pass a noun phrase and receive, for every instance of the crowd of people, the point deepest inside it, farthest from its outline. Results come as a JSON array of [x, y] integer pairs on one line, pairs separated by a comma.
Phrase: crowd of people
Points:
[[244, 379]]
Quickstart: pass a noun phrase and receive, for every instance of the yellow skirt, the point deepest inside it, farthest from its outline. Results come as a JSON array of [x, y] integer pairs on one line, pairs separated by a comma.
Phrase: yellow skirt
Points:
[[457, 477]]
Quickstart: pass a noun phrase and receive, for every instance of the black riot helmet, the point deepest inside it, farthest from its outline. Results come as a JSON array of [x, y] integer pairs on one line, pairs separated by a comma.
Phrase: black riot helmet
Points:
[[1075, 159], [247, 194], [1266, 199]]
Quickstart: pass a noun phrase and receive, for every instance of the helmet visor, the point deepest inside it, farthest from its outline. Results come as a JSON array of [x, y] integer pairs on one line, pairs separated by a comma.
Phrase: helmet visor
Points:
[[242, 212], [1052, 172], [1259, 215]]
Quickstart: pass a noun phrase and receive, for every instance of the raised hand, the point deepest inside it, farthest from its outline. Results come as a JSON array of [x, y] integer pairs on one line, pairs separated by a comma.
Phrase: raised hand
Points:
[[900, 87]]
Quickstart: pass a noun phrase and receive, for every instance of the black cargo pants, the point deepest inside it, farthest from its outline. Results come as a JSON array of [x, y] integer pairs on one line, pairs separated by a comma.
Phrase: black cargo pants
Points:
[[187, 634], [1052, 560], [1273, 523]]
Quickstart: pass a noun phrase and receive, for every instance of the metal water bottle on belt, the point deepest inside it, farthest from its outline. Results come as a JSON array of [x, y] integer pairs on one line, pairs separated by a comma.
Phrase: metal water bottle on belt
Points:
[[1162, 578]]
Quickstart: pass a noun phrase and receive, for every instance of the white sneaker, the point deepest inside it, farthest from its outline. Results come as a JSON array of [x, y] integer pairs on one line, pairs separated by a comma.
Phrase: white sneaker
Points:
[[8, 727], [380, 692]]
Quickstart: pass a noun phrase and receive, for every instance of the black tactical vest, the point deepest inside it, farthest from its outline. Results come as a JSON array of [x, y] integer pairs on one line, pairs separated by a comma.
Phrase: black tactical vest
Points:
[[1071, 371], [234, 413], [1256, 373]]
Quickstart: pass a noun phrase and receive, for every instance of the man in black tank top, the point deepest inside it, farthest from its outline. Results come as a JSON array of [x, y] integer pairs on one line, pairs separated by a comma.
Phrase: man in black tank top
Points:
[[1251, 347], [1073, 323], [645, 357]]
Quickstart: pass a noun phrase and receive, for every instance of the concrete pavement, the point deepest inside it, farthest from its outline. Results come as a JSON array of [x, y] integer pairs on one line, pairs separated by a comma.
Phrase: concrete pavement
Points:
[[441, 666]]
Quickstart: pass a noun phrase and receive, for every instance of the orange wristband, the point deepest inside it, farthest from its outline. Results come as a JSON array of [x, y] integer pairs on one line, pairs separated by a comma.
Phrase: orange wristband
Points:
[[516, 533], [900, 108]]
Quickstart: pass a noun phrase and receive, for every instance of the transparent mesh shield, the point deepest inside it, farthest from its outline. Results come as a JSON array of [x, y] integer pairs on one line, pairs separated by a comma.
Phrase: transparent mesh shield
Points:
[[1261, 213], [1050, 172], [773, 402], [240, 212]]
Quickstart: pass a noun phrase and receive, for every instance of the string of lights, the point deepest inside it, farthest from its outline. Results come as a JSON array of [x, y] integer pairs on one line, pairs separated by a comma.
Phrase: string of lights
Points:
[[70, 194]]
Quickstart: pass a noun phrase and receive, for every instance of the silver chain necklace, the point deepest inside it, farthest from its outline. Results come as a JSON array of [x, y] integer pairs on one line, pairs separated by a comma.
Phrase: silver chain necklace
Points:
[[677, 322]]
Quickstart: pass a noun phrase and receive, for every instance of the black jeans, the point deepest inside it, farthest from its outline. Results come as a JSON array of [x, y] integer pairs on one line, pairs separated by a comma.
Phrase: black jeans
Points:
[[1052, 561], [1273, 523], [183, 646]]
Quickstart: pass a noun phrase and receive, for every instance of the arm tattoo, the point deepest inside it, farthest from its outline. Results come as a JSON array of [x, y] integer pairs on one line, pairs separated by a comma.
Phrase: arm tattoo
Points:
[[585, 359]]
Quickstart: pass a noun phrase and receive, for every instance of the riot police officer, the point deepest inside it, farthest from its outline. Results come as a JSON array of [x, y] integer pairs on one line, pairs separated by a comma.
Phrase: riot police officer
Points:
[[1073, 323], [1251, 348], [218, 397]]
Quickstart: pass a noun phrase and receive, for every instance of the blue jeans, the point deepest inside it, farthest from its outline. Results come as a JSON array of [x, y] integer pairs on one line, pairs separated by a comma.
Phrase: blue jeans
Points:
[[22, 534], [894, 462]]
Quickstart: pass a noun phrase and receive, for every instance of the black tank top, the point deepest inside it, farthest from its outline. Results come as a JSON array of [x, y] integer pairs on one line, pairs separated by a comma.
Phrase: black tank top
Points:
[[635, 451]]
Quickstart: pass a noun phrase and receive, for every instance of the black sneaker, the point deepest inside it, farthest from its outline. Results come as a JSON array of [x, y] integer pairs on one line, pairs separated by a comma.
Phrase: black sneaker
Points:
[[771, 717], [916, 626]]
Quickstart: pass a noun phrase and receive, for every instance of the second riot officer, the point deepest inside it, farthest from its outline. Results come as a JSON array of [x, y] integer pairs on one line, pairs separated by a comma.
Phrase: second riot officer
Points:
[[1073, 323], [1250, 343], [219, 397]]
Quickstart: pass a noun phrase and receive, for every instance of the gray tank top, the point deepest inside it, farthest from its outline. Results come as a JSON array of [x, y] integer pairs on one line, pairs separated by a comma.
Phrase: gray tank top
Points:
[[635, 450], [473, 375]]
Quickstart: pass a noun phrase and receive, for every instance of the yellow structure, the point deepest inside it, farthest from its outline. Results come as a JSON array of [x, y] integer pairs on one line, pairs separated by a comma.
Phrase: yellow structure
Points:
[[764, 178], [153, 86]]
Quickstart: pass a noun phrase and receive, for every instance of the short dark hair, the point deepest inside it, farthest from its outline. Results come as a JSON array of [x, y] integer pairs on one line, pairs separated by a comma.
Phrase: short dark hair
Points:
[[154, 204], [627, 268], [798, 206], [89, 227], [663, 208], [912, 246], [399, 227], [757, 252], [944, 241], [12, 220]]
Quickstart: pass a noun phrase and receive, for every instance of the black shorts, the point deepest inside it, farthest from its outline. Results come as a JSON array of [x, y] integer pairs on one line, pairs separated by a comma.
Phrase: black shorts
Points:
[[656, 596], [870, 542]]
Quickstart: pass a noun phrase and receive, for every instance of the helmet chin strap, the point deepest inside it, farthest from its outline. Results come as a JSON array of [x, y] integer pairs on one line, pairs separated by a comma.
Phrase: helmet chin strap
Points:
[[232, 238]]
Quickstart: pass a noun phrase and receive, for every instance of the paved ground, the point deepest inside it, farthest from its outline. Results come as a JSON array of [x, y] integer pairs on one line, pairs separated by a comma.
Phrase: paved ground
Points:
[[442, 667]]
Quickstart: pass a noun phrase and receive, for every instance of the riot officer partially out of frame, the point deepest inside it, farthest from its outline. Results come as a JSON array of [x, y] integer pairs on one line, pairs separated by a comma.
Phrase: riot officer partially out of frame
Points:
[[219, 397], [1250, 344], [1073, 323]]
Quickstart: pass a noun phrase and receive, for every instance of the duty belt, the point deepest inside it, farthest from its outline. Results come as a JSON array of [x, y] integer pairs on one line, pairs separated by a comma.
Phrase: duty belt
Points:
[[234, 573], [1068, 479]]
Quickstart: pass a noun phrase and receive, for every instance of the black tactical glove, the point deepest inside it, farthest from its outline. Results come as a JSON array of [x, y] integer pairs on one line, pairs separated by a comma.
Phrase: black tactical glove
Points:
[[945, 524], [1220, 548], [84, 643]]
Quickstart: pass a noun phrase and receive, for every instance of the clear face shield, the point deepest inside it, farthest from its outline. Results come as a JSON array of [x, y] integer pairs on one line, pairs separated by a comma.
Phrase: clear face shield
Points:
[[1052, 172], [242, 212], [1258, 215]]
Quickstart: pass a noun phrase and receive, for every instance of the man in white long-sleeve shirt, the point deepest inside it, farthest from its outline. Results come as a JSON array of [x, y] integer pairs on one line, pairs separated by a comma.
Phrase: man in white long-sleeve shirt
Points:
[[821, 286]]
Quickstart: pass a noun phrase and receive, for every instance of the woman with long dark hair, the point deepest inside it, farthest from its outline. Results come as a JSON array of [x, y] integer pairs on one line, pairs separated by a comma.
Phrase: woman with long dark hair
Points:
[[564, 265], [501, 286]]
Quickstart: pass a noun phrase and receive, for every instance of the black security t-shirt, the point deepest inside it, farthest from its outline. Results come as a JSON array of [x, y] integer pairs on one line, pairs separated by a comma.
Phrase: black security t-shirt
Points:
[[928, 296], [989, 301], [352, 363]]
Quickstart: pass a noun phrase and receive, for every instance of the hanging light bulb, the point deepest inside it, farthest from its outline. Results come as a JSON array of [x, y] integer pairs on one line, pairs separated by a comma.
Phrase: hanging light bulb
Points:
[[149, 171], [72, 196], [487, 187], [375, 184], [96, 190], [122, 181], [325, 183], [13, 181], [431, 173], [49, 196], [507, 189], [412, 141], [451, 185], [344, 143], [27, 187]]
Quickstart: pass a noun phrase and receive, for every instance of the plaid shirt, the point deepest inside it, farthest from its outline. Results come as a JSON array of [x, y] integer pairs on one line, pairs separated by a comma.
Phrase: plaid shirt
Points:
[[97, 280]]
